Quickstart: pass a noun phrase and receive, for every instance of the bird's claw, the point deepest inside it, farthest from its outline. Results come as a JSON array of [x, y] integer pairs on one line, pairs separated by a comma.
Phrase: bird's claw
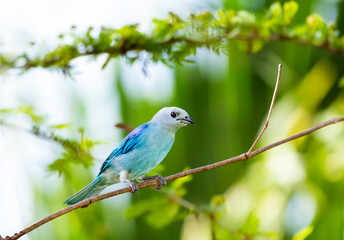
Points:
[[162, 181], [133, 186]]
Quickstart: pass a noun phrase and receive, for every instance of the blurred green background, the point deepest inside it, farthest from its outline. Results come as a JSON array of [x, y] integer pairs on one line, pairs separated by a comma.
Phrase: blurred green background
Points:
[[289, 188]]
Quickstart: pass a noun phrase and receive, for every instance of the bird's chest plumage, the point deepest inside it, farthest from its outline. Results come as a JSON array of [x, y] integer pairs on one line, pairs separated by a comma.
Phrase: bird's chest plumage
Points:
[[152, 149]]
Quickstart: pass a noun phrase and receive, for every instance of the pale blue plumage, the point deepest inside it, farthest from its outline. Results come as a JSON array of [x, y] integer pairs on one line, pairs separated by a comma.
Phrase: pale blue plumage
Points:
[[138, 153]]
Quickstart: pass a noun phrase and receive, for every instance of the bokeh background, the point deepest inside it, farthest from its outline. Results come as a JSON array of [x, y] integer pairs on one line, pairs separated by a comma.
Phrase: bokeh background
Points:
[[289, 188]]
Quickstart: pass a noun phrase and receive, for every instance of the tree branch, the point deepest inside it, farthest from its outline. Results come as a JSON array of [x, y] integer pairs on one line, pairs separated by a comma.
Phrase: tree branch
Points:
[[122, 50], [270, 110], [241, 157], [124, 127], [174, 39], [182, 202]]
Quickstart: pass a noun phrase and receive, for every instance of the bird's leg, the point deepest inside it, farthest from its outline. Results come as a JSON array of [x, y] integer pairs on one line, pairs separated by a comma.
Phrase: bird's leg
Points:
[[162, 180], [139, 179], [123, 178]]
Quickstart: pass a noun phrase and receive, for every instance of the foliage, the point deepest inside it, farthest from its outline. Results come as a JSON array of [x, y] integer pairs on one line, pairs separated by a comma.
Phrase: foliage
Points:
[[170, 206], [303, 233], [75, 151], [162, 210], [173, 40]]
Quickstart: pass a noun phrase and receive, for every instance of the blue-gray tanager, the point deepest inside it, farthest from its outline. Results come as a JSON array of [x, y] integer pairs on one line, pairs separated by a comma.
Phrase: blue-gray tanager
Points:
[[138, 153]]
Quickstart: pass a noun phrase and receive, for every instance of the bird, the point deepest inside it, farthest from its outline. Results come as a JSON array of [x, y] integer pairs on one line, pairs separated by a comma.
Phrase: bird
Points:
[[137, 154]]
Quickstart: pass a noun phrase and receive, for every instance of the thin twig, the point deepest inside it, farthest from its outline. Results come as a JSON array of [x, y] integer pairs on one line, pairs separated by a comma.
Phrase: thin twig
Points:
[[107, 60], [181, 201], [69, 144], [124, 127], [50, 136], [212, 226], [270, 110], [238, 158]]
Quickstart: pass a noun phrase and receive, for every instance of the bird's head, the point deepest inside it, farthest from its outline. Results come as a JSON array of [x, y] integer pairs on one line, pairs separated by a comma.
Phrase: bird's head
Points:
[[172, 118]]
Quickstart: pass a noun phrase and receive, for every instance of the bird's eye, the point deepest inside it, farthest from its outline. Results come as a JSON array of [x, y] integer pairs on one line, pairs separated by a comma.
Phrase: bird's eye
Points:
[[173, 114]]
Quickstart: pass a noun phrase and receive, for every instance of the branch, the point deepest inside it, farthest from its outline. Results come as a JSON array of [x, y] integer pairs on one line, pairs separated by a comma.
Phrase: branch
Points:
[[270, 110], [124, 127], [78, 149], [238, 158], [163, 53], [46, 135], [173, 40], [182, 202]]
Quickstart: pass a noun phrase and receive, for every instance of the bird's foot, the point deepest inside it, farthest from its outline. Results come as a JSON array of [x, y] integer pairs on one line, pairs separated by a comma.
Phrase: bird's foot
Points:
[[162, 180], [123, 178], [133, 186]]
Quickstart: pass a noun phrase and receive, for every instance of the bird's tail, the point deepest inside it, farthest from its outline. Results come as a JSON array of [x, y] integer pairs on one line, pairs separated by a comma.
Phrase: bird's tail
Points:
[[90, 190]]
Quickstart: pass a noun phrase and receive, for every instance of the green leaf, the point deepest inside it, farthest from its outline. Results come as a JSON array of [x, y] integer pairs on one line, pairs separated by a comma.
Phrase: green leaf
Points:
[[163, 215], [251, 225], [251, 46], [276, 10], [87, 144], [317, 29], [315, 21], [27, 110], [223, 233], [179, 182], [139, 208], [289, 10], [217, 200], [341, 82], [178, 185], [245, 18], [270, 235], [173, 39], [61, 126], [58, 165], [160, 211], [303, 233]]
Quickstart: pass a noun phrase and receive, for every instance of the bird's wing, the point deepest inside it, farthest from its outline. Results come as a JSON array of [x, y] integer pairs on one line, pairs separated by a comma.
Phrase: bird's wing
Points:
[[125, 146]]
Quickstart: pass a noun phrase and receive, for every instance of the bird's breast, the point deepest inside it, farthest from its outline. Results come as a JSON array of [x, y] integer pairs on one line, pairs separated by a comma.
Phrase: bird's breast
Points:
[[150, 152]]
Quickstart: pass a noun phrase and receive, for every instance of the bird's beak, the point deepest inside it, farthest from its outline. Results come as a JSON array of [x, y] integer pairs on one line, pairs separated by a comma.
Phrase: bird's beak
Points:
[[186, 120]]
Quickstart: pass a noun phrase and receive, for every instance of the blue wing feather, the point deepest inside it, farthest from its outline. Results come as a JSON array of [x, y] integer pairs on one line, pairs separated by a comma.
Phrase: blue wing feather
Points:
[[125, 146]]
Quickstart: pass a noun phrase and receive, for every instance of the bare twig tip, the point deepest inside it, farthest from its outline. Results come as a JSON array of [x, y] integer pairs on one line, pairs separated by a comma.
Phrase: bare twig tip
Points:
[[270, 110]]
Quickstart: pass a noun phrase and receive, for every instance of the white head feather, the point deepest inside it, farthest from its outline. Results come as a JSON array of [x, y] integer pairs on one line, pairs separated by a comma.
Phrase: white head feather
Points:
[[172, 118]]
